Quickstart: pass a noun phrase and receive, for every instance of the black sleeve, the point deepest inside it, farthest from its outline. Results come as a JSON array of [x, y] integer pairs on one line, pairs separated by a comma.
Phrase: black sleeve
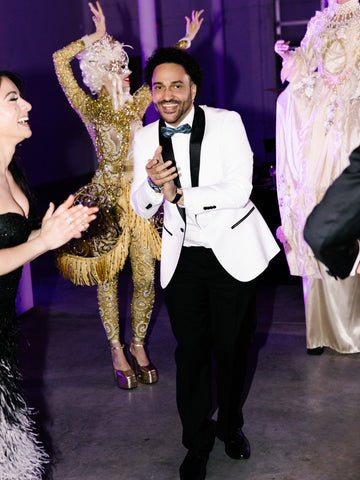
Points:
[[333, 227]]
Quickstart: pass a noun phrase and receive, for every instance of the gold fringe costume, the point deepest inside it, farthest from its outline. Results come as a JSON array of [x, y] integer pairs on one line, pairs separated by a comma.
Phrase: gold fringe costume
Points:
[[98, 257]]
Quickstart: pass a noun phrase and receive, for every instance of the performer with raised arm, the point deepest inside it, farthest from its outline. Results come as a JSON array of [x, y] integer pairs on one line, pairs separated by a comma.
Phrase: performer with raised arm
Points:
[[112, 119]]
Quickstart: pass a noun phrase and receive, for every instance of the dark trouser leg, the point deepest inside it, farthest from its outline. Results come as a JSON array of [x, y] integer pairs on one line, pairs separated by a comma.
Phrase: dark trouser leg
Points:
[[201, 323], [188, 301], [233, 316]]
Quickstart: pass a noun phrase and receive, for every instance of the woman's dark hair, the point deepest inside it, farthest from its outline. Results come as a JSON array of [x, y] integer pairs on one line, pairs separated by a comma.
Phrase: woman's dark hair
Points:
[[180, 57], [14, 78], [14, 168]]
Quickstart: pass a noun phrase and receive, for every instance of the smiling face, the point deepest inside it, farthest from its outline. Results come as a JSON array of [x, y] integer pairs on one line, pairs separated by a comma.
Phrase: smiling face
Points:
[[126, 82], [173, 92], [13, 113]]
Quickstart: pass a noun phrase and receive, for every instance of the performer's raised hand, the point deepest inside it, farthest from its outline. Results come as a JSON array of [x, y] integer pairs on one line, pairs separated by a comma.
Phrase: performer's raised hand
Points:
[[193, 25], [99, 20]]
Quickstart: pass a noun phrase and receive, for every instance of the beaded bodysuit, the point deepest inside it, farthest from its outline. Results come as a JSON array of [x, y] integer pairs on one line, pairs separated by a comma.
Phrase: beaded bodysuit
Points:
[[112, 133], [118, 231]]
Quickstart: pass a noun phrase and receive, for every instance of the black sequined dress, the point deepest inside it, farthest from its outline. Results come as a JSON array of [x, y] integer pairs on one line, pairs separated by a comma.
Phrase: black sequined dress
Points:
[[21, 456]]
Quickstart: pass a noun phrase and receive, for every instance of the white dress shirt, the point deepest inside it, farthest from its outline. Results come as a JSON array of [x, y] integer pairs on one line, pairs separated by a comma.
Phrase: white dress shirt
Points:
[[181, 147]]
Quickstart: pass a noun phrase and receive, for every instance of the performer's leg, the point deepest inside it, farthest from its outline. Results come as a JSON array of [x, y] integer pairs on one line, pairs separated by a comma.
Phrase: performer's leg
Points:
[[109, 313], [143, 273]]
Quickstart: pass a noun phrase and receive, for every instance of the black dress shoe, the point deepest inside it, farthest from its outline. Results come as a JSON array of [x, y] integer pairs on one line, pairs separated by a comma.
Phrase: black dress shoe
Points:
[[315, 351], [194, 466], [237, 446]]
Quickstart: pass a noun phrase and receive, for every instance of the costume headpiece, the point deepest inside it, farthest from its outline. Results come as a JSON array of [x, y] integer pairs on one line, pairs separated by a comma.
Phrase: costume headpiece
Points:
[[105, 58]]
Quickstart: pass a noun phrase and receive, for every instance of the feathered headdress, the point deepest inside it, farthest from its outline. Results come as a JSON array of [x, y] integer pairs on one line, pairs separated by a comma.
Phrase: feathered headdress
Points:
[[105, 58]]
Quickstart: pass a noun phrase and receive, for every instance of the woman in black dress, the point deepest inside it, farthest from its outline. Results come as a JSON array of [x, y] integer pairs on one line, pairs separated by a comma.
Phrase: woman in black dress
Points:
[[21, 455]]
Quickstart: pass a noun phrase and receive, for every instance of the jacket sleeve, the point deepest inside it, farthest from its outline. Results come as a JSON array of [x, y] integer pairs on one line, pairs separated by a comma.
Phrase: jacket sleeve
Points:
[[333, 227]]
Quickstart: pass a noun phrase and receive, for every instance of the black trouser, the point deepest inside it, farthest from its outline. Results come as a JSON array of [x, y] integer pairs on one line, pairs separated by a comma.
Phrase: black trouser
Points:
[[210, 312]]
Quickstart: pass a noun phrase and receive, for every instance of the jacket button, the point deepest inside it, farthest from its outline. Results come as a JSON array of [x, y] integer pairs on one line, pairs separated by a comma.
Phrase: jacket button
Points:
[[181, 229], [149, 205]]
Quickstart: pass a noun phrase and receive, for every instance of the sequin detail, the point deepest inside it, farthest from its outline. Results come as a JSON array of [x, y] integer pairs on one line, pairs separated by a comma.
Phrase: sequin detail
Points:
[[112, 131]]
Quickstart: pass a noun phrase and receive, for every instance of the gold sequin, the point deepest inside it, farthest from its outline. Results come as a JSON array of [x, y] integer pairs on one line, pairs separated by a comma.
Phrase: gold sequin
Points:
[[112, 133]]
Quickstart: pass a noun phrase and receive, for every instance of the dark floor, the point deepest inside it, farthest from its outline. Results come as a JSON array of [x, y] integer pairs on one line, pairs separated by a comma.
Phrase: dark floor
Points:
[[302, 413]]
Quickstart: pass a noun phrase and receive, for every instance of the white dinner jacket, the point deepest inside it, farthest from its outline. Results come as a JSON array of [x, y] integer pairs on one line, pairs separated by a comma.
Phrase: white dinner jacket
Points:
[[232, 225]]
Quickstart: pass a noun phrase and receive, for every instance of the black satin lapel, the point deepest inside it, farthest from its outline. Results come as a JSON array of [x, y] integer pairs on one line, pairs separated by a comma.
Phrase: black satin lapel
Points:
[[167, 150], [168, 154], [197, 134]]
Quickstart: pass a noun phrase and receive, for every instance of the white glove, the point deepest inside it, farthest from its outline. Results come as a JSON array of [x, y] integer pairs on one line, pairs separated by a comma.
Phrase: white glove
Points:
[[282, 48]]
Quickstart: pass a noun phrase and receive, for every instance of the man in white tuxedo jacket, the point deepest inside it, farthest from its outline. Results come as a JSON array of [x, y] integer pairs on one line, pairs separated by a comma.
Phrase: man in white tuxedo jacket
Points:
[[214, 245]]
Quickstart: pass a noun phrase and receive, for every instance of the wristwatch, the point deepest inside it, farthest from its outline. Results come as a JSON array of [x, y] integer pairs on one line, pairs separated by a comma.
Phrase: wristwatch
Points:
[[154, 186], [179, 194]]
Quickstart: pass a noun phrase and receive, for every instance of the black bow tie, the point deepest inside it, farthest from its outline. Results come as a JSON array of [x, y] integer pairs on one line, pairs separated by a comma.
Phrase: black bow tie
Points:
[[169, 132]]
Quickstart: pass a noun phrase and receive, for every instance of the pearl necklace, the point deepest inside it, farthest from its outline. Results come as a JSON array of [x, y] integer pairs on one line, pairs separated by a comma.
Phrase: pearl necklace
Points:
[[340, 14]]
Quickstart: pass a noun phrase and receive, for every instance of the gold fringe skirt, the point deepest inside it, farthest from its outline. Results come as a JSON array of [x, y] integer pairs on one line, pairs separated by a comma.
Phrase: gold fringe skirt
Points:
[[102, 251]]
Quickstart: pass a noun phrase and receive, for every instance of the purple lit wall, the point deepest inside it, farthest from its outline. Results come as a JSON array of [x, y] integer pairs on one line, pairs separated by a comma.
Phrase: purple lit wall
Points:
[[242, 41]]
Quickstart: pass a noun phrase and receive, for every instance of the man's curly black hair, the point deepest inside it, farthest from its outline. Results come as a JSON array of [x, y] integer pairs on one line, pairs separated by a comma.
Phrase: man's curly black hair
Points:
[[180, 57]]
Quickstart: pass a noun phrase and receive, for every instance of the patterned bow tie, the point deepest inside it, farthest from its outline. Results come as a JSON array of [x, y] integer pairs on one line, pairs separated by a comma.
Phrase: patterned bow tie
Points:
[[169, 132]]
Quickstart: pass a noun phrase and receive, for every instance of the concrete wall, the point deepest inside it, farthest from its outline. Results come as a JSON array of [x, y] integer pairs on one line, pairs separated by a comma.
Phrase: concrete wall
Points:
[[32, 30]]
